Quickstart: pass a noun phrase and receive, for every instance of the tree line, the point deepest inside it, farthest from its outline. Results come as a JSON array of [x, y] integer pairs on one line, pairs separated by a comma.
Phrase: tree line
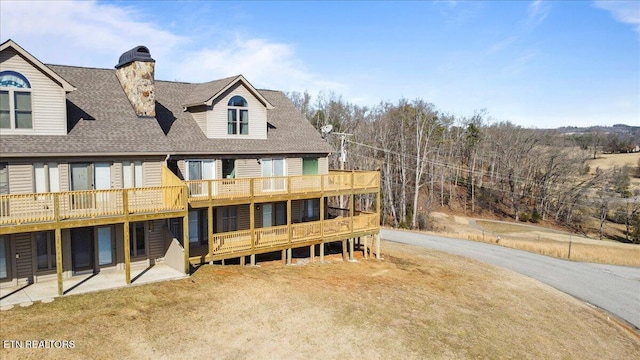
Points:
[[429, 159]]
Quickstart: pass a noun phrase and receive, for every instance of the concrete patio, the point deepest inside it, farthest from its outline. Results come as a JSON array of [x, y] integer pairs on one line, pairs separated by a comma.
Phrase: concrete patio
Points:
[[46, 291]]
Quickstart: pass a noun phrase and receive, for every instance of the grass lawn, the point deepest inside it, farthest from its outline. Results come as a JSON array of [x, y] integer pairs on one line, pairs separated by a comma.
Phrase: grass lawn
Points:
[[415, 304]]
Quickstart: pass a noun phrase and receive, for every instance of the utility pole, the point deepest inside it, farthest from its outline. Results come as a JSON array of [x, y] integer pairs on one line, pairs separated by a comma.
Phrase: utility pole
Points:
[[342, 159]]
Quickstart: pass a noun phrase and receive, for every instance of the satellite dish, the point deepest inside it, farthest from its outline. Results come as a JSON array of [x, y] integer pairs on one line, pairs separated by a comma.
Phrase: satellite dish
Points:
[[325, 130]]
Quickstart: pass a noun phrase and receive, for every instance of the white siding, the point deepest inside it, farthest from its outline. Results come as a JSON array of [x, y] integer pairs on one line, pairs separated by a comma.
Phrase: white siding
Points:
[[323, 165], [47, 97], [248, 168], [217, 116], [199, 114], [294, 166], [152, 171], [63, 169], [20, 178], [116, 175]]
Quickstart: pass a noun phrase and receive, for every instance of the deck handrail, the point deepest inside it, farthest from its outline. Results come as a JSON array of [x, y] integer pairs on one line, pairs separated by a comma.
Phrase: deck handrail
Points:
[[16, 209], [216, 189]]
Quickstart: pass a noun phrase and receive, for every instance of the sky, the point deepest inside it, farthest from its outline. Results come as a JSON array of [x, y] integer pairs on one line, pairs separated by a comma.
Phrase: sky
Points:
[[537, 64]]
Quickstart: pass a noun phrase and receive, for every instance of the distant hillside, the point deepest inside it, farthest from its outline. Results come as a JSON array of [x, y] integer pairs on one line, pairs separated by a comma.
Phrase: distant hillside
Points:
[[621, 129]]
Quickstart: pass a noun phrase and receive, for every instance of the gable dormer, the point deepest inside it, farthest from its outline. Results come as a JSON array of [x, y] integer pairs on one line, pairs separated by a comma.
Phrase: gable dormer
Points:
[[32, 96], [229, 108]]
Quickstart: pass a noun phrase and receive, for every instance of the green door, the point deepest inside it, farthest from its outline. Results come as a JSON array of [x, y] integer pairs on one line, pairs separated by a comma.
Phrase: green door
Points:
[[309, 166]]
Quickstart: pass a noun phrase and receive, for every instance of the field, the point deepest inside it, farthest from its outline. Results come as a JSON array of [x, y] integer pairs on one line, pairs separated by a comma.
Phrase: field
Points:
[[607, 161], [414, 304], [538, 240]]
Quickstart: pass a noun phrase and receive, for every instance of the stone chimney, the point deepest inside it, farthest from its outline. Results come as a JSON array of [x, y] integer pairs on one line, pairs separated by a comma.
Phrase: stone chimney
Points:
[[135, 71]]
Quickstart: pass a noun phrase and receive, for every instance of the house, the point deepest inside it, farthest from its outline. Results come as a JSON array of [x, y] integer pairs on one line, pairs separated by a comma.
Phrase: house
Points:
[[109, 170]]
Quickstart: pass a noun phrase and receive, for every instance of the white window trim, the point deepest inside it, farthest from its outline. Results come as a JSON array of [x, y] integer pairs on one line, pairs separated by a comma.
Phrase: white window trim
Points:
[[46, 177], [132, 174], [12, 103]]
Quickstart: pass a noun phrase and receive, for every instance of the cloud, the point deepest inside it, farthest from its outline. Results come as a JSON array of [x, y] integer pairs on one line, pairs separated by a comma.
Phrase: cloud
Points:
[[626, 12], [538, 11], [264, 63], [80, 33], [93, 34]]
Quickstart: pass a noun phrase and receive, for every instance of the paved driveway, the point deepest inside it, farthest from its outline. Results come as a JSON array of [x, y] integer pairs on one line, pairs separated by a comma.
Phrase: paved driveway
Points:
[[612, 288]]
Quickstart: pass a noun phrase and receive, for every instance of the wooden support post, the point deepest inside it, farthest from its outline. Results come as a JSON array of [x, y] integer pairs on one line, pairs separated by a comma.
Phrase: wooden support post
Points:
[[351, 249], [289, 228], [58, 237], [210, 229], [185, 242], [127, 244], [377, 239], [252, 259], [289, 255], [284, 257], [185, 231], [312, 252], [344, 250], [242, 260], [127, 253], [366, 243], [252, 225], [322, 252]]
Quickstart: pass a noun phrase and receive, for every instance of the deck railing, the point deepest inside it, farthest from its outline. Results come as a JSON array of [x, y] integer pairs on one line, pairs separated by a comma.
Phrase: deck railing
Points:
[[283, 235], [269, 186], [45, 207]]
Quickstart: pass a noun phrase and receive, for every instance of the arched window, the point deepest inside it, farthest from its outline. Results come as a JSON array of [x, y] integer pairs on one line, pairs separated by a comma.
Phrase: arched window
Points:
[[15, 101], [237, 116]]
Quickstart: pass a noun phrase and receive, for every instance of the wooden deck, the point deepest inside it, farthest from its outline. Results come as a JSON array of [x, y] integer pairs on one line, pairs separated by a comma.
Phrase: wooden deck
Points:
[[220, 192], [238, 243], [47, 211]]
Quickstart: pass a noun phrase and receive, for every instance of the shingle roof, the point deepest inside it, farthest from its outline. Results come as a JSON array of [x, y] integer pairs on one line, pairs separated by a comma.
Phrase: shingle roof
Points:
[[103, 122], [203, 92]]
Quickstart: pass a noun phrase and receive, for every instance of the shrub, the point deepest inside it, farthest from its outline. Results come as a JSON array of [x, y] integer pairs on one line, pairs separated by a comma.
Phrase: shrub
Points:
[[535, 216], [524, 217]]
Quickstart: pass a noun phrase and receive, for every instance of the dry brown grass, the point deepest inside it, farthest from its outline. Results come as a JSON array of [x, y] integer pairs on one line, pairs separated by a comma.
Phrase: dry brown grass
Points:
[[415, 304], [605, 253], [542, 241]]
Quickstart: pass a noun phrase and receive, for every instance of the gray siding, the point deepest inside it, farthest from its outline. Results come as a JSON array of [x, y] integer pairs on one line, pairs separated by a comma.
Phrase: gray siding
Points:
[[24, 256], [20, 178], [156, 240], [217, 116], [48, 99]]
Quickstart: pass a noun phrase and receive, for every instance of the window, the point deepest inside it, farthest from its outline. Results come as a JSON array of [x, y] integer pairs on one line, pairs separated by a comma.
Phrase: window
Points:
[[15, 101], [310, 210], [273, 168], [47, 177], [198, 227], [4, 178], [237, 116], [136, 239], [228, 168], [131, 174], [229, 218], [46, 250], [200, 170], [4, 257]]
